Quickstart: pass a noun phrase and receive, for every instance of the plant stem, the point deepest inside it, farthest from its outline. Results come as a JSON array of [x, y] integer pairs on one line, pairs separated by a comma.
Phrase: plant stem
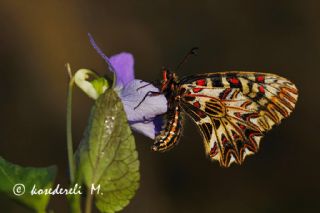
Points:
[[69, 127], [74, 200], [88, 201], [74, 203]]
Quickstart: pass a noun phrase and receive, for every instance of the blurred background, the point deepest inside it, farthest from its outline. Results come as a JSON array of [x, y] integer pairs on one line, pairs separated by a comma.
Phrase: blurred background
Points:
[[283, 37]]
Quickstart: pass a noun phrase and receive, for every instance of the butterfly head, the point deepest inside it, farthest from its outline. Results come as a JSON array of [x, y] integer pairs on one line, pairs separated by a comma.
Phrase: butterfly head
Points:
[[168, 78]]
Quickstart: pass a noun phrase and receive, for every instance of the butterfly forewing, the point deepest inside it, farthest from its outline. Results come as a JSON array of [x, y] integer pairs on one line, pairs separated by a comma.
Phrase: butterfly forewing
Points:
[[234, 109]]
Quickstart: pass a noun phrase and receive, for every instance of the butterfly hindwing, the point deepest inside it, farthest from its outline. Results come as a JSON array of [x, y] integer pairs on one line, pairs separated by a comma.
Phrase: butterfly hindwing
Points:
[[226, 139], [239, 106]]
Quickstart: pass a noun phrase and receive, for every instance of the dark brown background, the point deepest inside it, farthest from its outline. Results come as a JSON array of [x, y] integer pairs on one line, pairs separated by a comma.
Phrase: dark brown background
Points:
[[281, 37]]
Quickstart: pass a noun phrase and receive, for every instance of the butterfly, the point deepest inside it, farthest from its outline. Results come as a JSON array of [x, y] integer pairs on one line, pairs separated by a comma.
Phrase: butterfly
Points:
[[233, 110]]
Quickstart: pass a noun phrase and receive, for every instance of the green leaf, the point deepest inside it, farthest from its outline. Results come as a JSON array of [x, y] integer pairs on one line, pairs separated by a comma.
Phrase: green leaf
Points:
[[41, 178], [108, 156]]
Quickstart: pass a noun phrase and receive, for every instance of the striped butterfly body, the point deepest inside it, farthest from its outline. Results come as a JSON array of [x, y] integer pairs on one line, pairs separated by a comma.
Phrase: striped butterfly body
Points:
[[233, 110]]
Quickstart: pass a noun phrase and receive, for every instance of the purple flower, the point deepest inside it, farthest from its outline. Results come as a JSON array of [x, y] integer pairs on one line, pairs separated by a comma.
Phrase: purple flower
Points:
[[143, 119]]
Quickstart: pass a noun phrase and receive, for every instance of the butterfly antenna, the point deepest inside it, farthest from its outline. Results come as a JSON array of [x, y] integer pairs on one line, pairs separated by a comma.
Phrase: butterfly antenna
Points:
[[193, 51]]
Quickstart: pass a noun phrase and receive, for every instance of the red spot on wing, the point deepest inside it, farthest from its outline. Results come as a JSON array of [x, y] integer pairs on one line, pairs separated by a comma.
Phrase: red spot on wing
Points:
[[237, 114], [201, 113], [196, 90], [224, 140], [235, 136], [261, 89], [213, 151], [201, 82], [242, 126], [234, 80], [260, 79], [196, 104]]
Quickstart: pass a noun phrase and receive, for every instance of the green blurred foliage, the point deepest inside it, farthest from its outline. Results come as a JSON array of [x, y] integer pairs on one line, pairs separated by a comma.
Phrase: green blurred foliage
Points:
[[13, 177]]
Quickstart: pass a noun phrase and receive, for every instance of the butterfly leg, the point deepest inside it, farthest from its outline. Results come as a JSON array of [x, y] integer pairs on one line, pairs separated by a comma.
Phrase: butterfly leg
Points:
[[150, 93], [147, 120], [154, 82]]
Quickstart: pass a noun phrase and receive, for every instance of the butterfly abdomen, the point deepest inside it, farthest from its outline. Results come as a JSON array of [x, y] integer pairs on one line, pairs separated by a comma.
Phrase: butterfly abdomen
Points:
[[172, 131]]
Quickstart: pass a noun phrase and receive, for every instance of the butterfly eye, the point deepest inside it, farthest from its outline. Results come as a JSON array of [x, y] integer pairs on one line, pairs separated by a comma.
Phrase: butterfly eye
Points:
[[169, 75]]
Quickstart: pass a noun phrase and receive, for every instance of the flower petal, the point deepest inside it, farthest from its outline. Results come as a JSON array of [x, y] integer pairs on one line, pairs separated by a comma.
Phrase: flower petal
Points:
[[149, 108], [123, 67], [121, 64], [146, 129], [158, 122], [99, 51]]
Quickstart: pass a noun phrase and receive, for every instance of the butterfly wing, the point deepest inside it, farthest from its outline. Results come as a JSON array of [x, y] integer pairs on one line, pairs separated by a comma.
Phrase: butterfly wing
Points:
[[234, 109]]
